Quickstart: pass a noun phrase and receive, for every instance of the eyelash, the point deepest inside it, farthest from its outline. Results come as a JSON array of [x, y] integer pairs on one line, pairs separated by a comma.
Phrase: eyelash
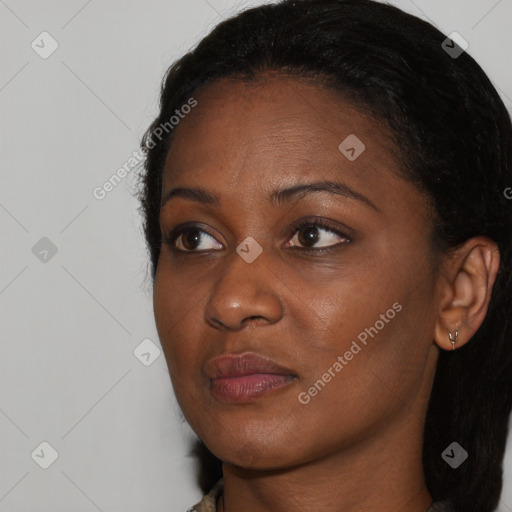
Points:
[[170, 238]]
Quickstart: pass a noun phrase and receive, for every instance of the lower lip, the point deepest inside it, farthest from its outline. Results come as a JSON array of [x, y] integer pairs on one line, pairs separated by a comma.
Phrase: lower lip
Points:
[[247, 387]]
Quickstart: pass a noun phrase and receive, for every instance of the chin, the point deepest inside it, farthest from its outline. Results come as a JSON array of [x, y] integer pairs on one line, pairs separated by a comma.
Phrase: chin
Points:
[[252, 455]]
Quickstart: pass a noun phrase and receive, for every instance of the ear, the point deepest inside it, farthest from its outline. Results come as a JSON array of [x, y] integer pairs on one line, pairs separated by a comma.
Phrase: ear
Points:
[[464, 290]]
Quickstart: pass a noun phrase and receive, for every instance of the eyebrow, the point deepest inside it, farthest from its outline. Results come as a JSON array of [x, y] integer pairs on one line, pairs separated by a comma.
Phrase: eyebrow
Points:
[[276, 197]]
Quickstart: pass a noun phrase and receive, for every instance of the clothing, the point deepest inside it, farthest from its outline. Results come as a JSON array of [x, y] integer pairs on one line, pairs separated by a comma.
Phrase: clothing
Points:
[[209, 501]]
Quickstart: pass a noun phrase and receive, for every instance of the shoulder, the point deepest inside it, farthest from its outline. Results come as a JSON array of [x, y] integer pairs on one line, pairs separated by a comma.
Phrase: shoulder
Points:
[[208, 502]]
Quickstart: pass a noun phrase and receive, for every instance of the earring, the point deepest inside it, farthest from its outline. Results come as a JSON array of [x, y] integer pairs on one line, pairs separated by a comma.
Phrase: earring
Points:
[[453, 341]]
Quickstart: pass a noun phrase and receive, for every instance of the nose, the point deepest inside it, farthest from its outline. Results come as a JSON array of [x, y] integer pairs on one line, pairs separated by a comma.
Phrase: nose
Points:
[[244, 293]]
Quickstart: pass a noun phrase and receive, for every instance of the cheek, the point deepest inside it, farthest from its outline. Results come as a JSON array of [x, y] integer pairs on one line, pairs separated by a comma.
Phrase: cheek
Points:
[[173, 316], [175, 309], [366, 344], [368, 378]]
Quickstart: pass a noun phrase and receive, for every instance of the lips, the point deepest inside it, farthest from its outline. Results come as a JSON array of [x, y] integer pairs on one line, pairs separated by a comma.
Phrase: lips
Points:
[[242, 378], [243, 364]]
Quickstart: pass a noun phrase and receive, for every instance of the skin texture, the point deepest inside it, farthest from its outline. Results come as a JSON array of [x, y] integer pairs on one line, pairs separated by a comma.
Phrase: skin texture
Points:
[[356, 446]]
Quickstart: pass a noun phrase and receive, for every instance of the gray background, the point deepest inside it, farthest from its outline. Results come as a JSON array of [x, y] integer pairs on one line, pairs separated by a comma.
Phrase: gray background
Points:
[[71, 320]]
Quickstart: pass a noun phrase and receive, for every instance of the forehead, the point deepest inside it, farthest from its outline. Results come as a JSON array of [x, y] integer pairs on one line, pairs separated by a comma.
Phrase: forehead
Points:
[[270, 130]]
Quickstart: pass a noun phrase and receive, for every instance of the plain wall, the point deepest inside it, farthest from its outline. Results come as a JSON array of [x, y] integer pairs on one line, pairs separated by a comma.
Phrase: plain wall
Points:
[[70, 321]]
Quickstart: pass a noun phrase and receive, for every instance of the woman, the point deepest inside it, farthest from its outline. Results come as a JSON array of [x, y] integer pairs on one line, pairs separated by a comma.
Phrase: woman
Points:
[[367, 365]]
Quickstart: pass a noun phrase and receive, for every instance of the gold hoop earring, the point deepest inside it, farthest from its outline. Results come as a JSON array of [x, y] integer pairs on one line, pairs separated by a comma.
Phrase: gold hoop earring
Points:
[[453, 341]]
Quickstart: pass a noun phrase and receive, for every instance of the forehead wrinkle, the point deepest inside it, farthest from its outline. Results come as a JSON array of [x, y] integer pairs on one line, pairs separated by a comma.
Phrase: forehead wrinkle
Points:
[[284, 135]]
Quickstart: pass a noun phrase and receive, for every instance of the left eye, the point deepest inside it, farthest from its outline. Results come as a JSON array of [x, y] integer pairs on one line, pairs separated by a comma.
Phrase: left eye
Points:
[[190, 238], [311, 235]]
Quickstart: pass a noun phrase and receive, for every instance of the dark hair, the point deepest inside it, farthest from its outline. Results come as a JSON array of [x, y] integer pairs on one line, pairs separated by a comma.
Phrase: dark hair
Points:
[[453, 138]]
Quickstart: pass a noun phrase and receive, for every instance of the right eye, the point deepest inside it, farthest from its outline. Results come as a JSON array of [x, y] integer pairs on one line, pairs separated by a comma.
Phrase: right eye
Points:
[[189, 237]]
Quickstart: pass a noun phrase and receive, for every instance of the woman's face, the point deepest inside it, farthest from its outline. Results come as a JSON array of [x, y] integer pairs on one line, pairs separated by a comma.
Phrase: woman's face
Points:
[[353, 325]]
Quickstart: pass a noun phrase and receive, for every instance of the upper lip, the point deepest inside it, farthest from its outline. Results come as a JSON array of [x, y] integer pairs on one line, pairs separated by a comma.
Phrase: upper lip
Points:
[[243, 364]]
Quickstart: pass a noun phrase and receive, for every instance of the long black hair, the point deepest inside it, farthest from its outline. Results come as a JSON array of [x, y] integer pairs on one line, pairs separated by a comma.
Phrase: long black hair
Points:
[[453, 139]]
